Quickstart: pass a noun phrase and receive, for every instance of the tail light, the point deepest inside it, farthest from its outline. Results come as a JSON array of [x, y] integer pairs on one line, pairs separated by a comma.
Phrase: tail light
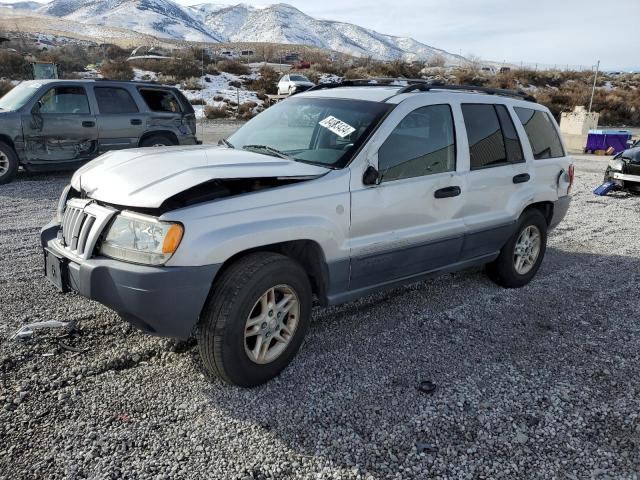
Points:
[[572, 173]]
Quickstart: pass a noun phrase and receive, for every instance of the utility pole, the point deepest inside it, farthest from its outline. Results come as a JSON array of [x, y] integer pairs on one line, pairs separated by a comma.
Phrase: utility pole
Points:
[[593, 90]]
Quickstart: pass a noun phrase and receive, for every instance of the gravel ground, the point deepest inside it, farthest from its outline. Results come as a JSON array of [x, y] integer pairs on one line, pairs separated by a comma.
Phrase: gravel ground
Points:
[[539, 382]]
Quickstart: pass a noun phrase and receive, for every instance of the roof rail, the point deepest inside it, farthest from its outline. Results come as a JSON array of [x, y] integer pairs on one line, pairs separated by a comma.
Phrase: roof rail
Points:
[[422, 85], [426, 87], [360, 82]]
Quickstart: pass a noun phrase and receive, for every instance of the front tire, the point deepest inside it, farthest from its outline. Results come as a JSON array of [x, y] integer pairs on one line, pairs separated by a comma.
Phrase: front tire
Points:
[[522, 255], [8, 163], [255, 319]]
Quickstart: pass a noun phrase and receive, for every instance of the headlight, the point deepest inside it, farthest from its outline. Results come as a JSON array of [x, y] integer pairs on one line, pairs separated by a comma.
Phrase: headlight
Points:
[[62, 203], [138, 238], [616, 164]]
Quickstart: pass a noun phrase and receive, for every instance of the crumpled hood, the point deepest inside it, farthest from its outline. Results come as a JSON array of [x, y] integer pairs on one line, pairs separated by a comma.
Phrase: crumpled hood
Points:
[[631, 154], [146, 177]]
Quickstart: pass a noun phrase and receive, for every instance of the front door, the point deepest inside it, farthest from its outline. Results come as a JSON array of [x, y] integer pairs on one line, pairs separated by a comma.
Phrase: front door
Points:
[[411, 222], [60, 128], [120, 123]]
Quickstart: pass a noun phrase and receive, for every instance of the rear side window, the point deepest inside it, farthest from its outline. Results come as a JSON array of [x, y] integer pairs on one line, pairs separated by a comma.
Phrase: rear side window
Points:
[[511, 140], [493, 140], [160, 100], [115, 100], [423, 143], [543, 136]]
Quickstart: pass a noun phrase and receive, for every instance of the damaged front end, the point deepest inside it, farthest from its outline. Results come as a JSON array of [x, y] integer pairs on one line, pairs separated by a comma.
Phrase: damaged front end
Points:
[[623, 171]]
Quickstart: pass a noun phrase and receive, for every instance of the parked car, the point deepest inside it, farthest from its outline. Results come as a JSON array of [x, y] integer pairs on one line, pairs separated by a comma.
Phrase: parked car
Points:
[[58, 124], [334, 194], [291, 83], [624, 170]]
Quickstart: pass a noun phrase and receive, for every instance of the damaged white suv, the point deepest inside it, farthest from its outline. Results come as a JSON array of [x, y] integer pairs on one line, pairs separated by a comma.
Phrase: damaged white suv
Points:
[[335, 193]]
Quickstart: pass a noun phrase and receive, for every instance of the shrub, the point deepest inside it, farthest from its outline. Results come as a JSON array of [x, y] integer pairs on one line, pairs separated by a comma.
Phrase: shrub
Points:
[[180, 69], [166, 79], [218, 98], [116, 70], [267, 83], [235, 83], [231, 66], [197, 101], [14, 66], [212, 70], [192, 83], [245, 111], [5, 87], [215, 112], [436, 61]]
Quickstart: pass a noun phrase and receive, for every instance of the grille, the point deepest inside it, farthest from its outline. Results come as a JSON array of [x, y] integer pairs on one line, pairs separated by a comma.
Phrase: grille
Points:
[[82, 224]]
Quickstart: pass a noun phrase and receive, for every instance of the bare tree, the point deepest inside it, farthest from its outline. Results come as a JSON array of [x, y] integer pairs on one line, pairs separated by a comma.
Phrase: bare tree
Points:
[[473, 61], [436, 61]]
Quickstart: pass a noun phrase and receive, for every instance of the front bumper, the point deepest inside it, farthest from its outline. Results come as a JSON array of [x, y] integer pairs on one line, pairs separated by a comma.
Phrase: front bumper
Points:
[[164, 301]]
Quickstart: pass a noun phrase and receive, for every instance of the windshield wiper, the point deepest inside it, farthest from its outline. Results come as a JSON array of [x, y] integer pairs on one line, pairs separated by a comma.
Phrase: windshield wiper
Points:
[[269, 151], [226, 143]]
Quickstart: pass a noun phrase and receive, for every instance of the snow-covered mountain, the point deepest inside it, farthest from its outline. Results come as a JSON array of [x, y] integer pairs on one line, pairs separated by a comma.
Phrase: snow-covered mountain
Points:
[[282, 23], [211, 22], [161, 18], [21, 5]]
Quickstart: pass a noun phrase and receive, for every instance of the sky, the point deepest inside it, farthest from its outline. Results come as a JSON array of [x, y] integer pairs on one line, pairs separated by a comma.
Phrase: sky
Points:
[[549, 32]]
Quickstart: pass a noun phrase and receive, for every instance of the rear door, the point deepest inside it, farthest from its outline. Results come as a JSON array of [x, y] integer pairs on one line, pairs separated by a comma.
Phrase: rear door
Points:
[[549, 157], [497, 178], [61, 126], [120, 123], [166, 111], [411, 222]]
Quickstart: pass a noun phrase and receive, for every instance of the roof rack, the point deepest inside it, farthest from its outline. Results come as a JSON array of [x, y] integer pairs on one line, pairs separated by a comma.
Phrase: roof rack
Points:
[[422, 85], [360, 82]]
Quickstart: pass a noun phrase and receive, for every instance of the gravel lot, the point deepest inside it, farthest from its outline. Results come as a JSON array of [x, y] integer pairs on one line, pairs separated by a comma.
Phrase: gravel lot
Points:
[[539, 382]]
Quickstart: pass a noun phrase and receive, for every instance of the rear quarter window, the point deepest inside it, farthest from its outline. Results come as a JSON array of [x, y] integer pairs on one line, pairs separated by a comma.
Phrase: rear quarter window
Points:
[[542, 133], [160, 100]]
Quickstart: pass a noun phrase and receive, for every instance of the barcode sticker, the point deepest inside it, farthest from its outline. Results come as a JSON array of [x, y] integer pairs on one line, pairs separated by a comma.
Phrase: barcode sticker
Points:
[[337, 126]]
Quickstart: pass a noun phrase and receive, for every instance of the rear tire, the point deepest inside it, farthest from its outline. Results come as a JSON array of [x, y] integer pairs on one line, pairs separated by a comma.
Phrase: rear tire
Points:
[[241, 312], [522, 255], [157, 141], [8, 163]]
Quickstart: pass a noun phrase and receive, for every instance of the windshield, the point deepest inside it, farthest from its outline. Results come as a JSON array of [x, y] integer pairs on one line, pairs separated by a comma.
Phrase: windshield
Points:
[[322, 131], [298, 78], [18, 96]]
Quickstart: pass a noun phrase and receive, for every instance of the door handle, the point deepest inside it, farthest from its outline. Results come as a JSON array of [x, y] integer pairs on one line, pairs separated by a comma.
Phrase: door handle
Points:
[[88, 124], [136, 121], [522, 178], [447, 192]]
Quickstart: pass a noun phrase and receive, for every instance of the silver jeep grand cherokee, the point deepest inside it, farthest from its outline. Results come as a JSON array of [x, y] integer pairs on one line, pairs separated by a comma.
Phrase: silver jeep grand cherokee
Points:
[[336, 193]]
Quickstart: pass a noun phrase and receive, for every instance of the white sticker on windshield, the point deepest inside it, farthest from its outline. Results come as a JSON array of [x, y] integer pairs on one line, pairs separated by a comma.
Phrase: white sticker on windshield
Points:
[[337, 126]]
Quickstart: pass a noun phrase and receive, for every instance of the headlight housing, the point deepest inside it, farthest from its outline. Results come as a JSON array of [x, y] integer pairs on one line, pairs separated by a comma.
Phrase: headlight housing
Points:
[[62, 203], [138, 238], [616, 164]]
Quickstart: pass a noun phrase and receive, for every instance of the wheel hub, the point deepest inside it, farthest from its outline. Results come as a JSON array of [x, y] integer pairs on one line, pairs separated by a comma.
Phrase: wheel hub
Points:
[[4, 163], [271, 324], [527, 249]]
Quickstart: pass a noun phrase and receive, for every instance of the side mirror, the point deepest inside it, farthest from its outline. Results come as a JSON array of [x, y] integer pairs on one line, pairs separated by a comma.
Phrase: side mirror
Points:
[[37, 107], [371, 176]]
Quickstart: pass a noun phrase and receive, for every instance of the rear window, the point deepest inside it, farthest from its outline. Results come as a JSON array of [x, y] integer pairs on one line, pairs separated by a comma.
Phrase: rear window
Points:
[[115, 100], [160, 100], [543, 136]]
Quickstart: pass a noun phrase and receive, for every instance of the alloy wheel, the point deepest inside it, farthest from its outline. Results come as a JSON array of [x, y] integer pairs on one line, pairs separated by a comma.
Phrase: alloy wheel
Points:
[[271, 324], [4, 163], [527, 249]]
